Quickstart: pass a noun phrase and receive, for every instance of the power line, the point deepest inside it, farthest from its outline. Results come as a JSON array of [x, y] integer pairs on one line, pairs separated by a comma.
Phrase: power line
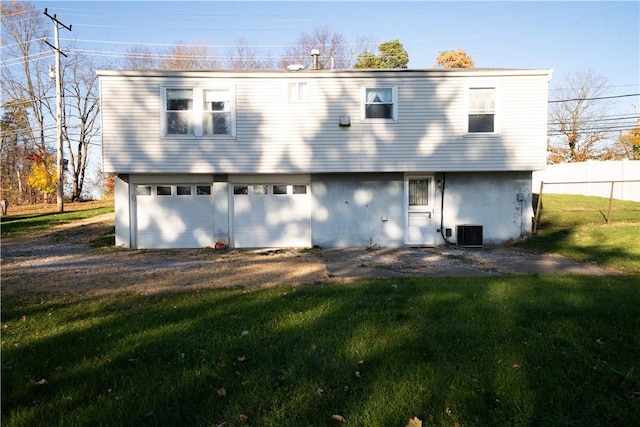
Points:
[[595, 98], [592, 131]]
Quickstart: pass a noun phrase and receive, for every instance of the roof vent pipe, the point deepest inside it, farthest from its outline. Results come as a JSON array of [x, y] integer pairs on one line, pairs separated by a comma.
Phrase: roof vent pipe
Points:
[[314, 54]]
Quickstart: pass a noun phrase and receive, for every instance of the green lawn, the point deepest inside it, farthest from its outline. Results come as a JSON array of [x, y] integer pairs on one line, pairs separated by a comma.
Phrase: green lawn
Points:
[[20, 225], [575, 226], [520, 350]]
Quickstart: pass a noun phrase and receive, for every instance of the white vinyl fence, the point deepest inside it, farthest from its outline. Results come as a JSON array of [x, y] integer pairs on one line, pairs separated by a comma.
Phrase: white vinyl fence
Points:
[[592, 178]]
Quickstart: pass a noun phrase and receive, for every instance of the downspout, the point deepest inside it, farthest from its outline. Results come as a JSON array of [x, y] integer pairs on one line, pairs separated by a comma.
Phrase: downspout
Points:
[[442, 211]]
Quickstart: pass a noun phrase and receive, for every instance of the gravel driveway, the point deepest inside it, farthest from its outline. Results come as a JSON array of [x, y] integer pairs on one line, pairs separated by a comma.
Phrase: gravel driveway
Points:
[[62, 260]]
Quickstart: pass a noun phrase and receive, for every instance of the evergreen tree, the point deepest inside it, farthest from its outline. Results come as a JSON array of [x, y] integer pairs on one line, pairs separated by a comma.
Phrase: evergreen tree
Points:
[[392, 55]]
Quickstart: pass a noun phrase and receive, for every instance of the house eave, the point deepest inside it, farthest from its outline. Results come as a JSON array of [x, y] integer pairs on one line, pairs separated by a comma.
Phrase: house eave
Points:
[[341, 73]]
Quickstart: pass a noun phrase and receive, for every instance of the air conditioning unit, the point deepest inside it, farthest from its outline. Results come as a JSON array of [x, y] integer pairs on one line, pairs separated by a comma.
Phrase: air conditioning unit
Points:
[[469, 235]]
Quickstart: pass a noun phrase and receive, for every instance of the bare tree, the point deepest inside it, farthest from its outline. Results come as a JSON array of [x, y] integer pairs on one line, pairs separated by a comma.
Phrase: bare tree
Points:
[[332, 46], [183, 56], [140, 58], [190, 56], [244, 56], [576, 116], [82, 107]]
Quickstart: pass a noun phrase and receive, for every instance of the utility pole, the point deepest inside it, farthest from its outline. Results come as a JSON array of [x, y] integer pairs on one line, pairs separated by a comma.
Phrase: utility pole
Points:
[[60, 154]]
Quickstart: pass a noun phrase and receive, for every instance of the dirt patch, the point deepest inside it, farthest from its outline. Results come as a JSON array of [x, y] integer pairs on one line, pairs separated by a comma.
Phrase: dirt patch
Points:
[[62, 260]]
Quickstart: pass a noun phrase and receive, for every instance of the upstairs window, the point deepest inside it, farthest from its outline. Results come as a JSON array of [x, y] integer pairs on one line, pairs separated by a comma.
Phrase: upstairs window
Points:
[[482, 110], [179, 111], [217, 112], [297, 92], [199, 112], [380, 103]]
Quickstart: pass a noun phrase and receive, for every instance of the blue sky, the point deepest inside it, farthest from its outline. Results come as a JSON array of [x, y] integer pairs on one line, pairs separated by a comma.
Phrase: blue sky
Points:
[[565, 36]]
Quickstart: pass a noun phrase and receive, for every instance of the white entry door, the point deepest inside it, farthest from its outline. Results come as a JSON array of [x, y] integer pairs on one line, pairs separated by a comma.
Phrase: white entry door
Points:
[[420, 210]]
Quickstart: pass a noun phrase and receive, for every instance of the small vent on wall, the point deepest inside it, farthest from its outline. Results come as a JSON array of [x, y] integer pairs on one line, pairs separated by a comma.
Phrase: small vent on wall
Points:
[[469, 235]]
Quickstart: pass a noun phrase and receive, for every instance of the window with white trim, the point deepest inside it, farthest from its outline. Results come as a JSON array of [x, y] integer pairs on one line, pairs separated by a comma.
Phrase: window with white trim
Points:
[[199, 112], [179, 111], [380, 103], [482, 110], [217, 112], [297, 92]]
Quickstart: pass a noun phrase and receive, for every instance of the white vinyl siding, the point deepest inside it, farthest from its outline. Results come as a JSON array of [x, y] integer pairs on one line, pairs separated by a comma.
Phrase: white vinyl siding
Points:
[[275, 136]]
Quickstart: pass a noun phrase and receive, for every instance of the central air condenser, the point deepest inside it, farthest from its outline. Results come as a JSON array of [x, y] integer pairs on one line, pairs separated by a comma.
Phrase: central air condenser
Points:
[[469, 236]]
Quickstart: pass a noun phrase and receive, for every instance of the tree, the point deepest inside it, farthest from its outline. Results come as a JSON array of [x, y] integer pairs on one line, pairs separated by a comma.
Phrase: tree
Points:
[[43, 175], [243, 56], [140, 58], [454, 59], [82, 107], [576, 114], [26, 85], [196, 55], [331, 45], [391, 55], [14, 135], [629, 144], [189, 56]]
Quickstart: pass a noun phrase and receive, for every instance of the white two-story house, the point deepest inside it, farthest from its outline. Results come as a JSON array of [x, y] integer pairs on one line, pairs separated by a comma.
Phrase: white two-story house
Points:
[[328, 158]]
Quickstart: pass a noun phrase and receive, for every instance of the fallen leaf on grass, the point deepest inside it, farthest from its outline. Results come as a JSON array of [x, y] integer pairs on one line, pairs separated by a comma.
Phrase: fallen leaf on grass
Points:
[[319, 391], [339, 418], [42, 382], [243, 418], [242, 358], [222, 392], [415, 422]]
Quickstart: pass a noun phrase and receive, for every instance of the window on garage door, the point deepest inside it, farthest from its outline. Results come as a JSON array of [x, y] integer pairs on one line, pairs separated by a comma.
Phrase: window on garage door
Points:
[[163, 190], [143, 190], [168, 190], [275, 189]]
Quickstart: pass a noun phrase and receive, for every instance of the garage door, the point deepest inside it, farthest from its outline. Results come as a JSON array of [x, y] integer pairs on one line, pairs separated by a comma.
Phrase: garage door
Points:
[[271, 215], [174, 216]]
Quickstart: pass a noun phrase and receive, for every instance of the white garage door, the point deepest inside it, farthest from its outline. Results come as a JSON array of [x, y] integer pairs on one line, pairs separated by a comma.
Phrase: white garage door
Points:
[[174, 216], [271, 215]]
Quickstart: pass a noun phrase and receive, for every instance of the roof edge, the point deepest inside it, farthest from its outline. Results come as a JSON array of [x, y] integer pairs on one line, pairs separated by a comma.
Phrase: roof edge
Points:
[[408, 72]]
